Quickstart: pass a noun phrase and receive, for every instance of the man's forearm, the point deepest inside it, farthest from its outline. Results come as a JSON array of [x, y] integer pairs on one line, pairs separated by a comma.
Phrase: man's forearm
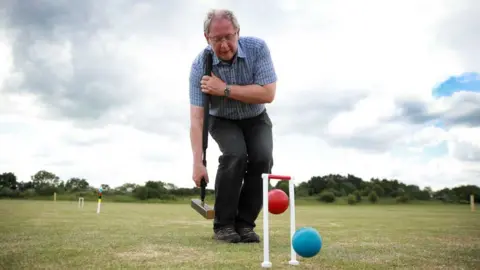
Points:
[[253, 94], [196, 129]]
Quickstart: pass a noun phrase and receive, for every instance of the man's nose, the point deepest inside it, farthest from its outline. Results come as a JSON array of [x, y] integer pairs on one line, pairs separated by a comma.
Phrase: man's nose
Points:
[[224, 45]]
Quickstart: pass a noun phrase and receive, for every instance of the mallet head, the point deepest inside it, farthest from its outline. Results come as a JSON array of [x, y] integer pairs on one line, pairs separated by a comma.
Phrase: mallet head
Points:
[[203, 209]]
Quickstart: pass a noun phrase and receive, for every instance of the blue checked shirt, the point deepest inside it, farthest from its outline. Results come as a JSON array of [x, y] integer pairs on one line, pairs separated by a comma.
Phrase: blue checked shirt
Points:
[[253, 65]]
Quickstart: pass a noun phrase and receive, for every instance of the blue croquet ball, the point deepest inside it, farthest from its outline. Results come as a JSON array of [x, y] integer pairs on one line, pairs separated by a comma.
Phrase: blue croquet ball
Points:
[[307, 242]]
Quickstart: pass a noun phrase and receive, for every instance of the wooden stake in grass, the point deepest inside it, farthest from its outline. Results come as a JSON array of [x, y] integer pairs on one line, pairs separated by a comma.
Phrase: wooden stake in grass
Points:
[[472, 202], [54, 196]]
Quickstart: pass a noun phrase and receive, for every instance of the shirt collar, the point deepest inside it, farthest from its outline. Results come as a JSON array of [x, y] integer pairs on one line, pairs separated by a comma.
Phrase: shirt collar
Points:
[[240, 54]]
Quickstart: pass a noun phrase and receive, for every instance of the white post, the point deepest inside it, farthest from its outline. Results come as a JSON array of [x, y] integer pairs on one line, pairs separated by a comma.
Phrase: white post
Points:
[[98, 207], [99, 200], [81, 202], [291, 191], [266, 252], [472, 202]]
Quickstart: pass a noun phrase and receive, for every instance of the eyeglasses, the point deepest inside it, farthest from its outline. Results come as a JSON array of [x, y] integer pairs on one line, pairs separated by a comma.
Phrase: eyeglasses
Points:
[[228, 37]]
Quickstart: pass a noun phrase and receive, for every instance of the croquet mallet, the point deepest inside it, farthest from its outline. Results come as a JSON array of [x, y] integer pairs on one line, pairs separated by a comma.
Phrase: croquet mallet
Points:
[[199, 205]]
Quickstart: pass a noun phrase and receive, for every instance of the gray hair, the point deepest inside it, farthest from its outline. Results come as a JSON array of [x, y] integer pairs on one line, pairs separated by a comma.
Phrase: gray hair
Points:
[[220, 14]]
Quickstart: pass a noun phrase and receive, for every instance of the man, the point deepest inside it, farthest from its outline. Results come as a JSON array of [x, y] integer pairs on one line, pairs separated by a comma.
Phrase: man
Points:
[[243, 79]]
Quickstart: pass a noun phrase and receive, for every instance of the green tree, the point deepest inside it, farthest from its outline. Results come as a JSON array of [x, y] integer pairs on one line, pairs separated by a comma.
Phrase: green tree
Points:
[[23, 186], [270, 186], [130, 187], [8, 180], [356, 181], [351, 199], [357, 195], [45, 179], [45, 183], [327, 196], [283, 185], [7, 192], [170, 186], [302, 190], [317, 184], [76, 184], [463, 192], [141, 193], [402, 199], [378, 190], [331, 183], [348, 187], [429, 191], [373, 197]]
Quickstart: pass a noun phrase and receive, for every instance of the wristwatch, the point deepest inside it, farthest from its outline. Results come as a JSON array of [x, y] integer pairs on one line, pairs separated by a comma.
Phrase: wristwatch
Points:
[[227, 90]]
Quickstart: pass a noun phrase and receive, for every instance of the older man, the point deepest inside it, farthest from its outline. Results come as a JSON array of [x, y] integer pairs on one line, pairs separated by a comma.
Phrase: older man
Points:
[[243, 79]]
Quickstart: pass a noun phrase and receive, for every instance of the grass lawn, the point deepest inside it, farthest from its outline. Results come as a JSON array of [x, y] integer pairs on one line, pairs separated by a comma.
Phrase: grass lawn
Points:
[[48, 235]]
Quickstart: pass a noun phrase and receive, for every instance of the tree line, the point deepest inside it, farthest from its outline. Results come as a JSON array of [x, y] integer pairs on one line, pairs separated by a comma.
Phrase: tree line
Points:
[[327, 188]]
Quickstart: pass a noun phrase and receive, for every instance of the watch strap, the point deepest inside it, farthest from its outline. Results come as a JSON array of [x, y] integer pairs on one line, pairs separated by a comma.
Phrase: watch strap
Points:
[[227, 91]]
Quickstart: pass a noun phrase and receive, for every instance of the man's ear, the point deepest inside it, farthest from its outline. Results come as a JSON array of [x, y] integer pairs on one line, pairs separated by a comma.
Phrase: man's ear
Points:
[[206, 38]]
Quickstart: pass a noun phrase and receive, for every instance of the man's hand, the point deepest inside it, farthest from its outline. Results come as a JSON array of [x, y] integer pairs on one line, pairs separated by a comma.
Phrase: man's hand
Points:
[[213, 85], [199, 172]]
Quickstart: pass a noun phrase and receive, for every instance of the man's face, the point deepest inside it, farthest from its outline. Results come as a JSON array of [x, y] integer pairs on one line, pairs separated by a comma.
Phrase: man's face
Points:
[[223, 38]]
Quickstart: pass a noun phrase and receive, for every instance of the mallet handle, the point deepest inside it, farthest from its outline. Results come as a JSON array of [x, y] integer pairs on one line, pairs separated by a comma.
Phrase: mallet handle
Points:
[[206, 114]]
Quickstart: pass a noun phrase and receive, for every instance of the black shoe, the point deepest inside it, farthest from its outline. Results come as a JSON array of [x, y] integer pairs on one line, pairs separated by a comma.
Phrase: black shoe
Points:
[[248, 235], [227, 234]]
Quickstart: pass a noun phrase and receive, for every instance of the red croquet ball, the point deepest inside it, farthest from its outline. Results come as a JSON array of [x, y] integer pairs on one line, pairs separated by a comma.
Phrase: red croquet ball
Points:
[[277, 201]]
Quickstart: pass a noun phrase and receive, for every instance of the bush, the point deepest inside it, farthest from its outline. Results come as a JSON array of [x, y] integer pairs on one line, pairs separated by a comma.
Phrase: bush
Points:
[[327, 196], [352, 199], [340, 193], [335, 192], [122, 198], [373, 197], [167, 197], [6, 192], [402, 199], [301, 192], [464, 202], [141, 193], [357, 195], [29, 193], [283, 185], [45, 190], [365, 191]]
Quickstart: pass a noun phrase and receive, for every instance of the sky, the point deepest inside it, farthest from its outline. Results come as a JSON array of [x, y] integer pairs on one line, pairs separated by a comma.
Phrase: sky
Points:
[[99, 89]]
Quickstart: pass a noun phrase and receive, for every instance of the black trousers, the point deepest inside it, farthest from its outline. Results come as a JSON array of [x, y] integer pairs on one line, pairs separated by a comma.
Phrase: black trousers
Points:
[[246, 147]]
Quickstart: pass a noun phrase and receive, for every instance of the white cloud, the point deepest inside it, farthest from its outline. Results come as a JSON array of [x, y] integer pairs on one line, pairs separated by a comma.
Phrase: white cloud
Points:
[[366, 114], [386, 51], [5, 59]]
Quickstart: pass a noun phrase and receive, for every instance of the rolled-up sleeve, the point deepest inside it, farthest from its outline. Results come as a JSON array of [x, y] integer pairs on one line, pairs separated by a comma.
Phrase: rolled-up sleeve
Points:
[[196, 73], [264, 69]]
